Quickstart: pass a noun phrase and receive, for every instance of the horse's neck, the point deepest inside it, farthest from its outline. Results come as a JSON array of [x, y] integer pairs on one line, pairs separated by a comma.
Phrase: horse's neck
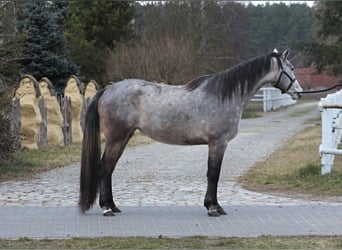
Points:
[[264, 79]]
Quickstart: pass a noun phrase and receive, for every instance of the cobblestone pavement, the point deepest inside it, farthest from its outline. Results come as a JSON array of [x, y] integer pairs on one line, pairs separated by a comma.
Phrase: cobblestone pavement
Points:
[[169, 179]]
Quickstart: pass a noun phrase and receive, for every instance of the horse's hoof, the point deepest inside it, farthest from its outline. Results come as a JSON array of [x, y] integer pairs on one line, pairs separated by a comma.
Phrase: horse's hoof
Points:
[[108, 212], [115, 209], [213, 212], [221, 211]]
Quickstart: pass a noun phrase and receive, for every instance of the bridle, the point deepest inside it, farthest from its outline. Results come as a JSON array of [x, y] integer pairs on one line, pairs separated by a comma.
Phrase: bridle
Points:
[[292, 80], [283, 72]]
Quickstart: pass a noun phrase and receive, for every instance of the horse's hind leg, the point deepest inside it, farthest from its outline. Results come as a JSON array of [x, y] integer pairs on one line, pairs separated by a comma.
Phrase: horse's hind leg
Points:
[[113, 151]]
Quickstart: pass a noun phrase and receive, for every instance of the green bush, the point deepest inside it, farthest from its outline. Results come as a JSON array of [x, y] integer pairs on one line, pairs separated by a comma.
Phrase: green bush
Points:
[[310, 170], [8, 141]]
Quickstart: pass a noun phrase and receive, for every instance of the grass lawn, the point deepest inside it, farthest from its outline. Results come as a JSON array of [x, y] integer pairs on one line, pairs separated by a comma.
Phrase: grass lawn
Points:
[[263, 242], [295, 170], [26, 163]]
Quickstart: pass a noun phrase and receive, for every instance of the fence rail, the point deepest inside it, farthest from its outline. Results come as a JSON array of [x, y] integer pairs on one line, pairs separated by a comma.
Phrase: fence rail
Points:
[[331, 115], [272, 98]]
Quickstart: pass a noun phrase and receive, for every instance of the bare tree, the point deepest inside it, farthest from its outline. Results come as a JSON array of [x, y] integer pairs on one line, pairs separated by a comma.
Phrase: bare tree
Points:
[[161, 59], [180, 40], [10, 55]]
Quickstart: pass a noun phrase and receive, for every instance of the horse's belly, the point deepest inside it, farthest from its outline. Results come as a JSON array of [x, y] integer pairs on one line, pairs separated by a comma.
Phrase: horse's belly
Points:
[[184, 128], [173, 132], [177, 139]]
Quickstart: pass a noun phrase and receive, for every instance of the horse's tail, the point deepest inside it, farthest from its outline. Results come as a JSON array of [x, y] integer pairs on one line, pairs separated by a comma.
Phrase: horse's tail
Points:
[[91, 153]]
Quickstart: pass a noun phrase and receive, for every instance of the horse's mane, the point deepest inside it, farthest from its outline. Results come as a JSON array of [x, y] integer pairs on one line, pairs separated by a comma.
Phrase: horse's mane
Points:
[[235, 80]]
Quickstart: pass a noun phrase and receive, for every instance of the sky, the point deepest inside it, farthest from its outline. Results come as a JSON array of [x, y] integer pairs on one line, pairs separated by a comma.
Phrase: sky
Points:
[[309, 3]]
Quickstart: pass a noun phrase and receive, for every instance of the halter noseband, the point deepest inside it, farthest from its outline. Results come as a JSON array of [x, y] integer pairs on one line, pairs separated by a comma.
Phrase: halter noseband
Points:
[[292, 80]]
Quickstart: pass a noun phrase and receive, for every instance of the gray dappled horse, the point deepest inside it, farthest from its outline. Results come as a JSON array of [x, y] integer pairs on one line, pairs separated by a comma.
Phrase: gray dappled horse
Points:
[[207, 110]]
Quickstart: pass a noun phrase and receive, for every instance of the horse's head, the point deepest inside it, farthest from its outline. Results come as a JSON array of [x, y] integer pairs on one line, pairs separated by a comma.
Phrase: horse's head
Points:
[[286, 80]]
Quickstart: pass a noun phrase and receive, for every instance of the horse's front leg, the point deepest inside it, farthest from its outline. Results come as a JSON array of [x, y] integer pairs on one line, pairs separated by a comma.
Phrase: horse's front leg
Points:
[[215, 157]]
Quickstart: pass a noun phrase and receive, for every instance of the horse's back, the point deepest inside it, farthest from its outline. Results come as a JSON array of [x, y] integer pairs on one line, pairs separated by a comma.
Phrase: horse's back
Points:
[[127, 100], [170, 114]]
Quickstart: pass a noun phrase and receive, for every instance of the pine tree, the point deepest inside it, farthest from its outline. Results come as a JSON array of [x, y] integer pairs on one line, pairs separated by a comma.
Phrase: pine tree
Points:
[[93, 27], [278, 26], [45, 43], [327, 53]]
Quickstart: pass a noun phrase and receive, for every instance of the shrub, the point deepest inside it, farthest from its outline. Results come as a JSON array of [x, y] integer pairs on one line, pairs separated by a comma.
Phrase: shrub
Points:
[[160, 59], [8, 141]]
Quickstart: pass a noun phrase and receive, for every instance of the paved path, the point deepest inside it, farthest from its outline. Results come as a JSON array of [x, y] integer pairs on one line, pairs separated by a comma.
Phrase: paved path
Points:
[[170, 221], [160, 189]]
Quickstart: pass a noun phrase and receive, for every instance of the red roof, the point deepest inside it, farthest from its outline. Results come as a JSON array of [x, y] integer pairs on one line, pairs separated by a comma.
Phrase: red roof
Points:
[[308, 78]]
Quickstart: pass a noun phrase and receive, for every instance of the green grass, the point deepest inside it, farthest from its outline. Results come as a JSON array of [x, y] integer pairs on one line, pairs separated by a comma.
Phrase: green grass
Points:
[[27, 163], [309, 170], [295, 170], [306, 180], [250, 114], [263, 242]]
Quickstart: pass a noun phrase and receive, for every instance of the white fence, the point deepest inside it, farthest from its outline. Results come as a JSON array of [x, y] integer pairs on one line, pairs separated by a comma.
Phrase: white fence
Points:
[[272, 98], [331, 113]]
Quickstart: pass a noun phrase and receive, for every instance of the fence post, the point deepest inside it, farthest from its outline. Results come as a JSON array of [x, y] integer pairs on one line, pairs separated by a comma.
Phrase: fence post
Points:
[[42, 140], [264, 99], [273, 99], [331, 115], [326, 159], [65, 103], [16, 122]]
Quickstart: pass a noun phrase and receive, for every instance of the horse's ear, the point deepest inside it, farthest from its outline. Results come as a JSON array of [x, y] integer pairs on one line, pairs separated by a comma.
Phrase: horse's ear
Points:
[[285, 54], [275, 53]]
